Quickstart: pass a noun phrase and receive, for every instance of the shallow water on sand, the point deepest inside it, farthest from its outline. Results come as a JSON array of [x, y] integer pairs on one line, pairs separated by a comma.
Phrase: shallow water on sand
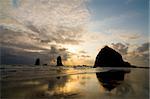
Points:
[[75, 83]]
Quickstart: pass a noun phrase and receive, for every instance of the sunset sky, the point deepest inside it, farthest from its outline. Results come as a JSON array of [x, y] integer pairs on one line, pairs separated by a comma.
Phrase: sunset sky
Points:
[[73, 29]]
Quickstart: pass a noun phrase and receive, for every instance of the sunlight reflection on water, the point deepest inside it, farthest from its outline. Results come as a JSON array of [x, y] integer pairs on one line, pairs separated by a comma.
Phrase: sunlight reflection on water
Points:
[[81, 85]]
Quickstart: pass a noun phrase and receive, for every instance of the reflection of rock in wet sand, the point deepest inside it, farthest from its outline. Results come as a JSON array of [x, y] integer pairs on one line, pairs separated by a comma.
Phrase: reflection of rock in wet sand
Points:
[[57, 82], [111, 79], [57, 89], [50, 89]]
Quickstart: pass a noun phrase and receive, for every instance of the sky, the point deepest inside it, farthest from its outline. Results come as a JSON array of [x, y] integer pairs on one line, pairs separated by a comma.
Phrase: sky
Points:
[[76, 30]]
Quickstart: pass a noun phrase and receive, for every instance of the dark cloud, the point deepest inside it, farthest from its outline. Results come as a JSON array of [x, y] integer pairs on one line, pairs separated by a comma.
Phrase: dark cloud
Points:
[[138, 56], [63, 49], [33, 28], [19, 47], [143, 51], [121, 48], [64, 35], [144, 47], [61, 41], [21, 40], [55, 52], [82, 52], [85, 56], [11, 55]]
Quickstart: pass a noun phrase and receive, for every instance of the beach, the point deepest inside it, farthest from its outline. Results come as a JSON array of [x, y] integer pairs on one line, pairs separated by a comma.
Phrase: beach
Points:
[[50, 82]]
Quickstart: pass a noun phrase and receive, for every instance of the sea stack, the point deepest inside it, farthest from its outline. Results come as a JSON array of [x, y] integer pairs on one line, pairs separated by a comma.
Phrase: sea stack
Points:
[[59, 61], [37, 62], [108, 57]]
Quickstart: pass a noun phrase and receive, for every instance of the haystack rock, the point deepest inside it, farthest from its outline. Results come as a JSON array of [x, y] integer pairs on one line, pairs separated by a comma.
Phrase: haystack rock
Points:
[[59, 61], [108, 57], [37, 62]]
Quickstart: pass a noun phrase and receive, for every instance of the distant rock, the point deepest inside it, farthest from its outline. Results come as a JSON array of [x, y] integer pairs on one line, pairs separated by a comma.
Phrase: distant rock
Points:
[[108, 57], [59, 61], [37, 62]]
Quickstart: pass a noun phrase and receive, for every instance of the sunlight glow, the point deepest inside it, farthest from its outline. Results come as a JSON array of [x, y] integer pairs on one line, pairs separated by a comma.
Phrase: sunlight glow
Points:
[[72, 48]]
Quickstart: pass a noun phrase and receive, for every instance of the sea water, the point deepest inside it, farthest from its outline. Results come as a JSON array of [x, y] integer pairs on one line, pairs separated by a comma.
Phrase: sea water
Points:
[[46, 82]]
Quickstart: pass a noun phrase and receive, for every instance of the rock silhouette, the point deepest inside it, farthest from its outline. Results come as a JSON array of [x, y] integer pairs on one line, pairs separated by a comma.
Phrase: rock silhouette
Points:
[[111, 79], [108, 57], [37, 62], [59, 61]]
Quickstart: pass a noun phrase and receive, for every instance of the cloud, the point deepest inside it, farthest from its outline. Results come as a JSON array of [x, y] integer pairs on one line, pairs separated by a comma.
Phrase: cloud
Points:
[[143, 48], [85, 56], [121, 48], [130, 37], [18, 56], [82, 52], [137, 56], [126, 35], [19, 39], [61, 21], [29, 28], [55, 52], [143, 51]]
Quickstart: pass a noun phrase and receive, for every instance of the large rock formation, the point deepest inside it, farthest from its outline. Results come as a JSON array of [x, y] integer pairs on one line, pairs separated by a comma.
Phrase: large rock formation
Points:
[[59, 61], [108, 57], [37, 62]]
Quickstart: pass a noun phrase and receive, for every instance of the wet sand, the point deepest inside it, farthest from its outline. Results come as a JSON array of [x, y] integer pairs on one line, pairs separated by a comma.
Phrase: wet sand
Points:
[[72, 83]]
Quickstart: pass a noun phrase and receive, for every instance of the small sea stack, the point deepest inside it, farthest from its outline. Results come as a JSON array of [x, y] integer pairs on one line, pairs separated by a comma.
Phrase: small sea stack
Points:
[[108, 57], [59, 61], [37, 62]]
